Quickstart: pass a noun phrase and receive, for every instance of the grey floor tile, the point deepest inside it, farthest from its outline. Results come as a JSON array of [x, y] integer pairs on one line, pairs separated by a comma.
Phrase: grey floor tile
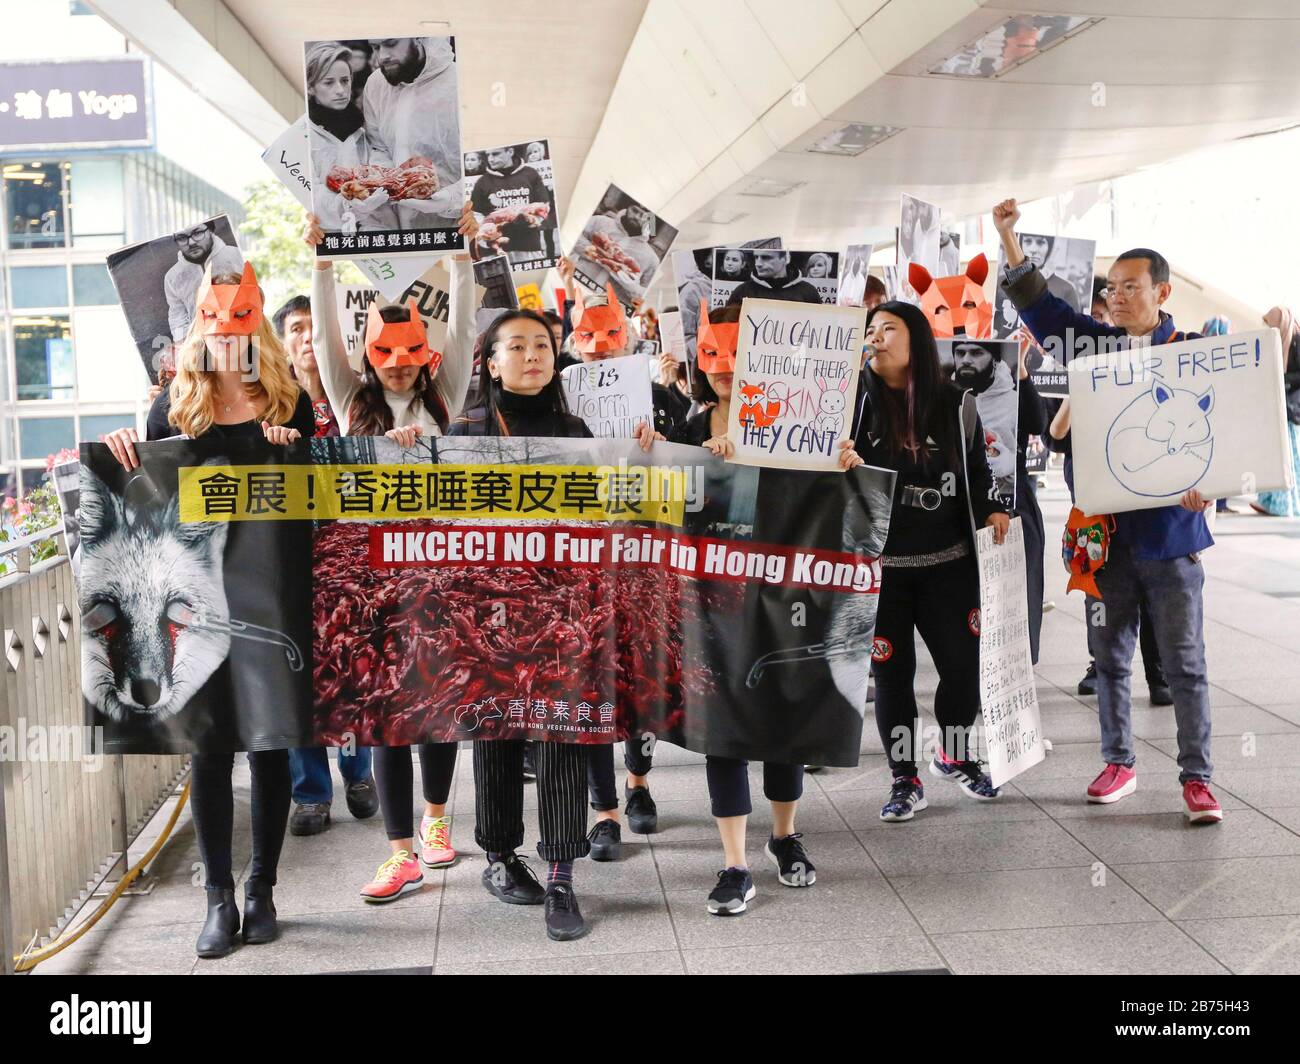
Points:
[[1172, 837], [1251, 945], [634, 962], [1262, 786], [487, 930], [927, 847], [1250, 886], [836, 956], [1122, 949], [1044, 897]]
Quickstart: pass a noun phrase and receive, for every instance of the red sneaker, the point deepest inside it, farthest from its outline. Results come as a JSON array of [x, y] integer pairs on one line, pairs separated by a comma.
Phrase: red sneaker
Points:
[[1202, 806], [1114, 783]]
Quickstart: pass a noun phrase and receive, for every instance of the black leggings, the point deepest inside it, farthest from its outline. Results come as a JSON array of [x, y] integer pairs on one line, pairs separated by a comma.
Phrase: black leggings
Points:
[[212, 805], [728, 780], [561, 794], [600, 770], [394, 778], [942, 603]]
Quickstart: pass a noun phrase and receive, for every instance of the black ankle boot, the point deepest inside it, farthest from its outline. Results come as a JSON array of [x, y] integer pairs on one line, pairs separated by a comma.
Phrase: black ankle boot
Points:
[[220, 928], [259, 914]]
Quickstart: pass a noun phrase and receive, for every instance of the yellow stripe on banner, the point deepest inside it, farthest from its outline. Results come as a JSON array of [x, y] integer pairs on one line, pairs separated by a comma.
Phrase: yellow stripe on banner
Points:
[[414, 492]]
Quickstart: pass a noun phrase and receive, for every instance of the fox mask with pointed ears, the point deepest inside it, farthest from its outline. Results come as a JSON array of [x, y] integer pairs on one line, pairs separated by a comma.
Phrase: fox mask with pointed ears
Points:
[[715, 345], [230, 309], [398, 343], [599, 329], [956, 305]]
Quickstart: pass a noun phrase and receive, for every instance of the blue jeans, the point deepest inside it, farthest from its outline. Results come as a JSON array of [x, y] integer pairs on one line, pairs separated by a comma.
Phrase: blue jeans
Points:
[[310, 767], [1171, 589]]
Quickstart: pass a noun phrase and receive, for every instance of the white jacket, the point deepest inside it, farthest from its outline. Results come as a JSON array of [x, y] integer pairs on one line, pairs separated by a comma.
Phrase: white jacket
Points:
[[421, 117], [342, 383]]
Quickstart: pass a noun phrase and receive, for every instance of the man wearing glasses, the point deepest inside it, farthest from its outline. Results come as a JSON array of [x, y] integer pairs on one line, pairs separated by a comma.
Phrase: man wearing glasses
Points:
[[196, 248], [1154, 557]]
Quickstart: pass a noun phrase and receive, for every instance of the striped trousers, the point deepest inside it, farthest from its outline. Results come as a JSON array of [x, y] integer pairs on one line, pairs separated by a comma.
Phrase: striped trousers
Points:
[[561, 798]]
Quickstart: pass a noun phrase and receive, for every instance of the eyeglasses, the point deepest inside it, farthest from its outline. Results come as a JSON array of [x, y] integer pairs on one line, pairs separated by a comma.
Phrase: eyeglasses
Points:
[[1128, 291], [192, 235]]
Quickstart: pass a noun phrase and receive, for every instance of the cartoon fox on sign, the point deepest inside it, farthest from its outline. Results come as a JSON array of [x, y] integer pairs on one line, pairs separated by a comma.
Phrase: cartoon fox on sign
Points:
[[756, 406], [1162, 442]]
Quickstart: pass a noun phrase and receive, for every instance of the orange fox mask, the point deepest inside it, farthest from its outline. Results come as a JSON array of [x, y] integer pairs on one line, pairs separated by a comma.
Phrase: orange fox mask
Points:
[[956, 305], [398, 343], [600, 330], [715, 345], [230, 309]]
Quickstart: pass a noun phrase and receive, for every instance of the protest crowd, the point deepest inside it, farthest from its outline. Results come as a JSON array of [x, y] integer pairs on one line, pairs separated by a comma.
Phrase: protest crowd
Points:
[[924, 392]]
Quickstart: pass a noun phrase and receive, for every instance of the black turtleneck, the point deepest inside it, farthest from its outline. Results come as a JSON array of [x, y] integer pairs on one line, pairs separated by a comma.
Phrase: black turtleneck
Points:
[[341, 123], [524, 415]]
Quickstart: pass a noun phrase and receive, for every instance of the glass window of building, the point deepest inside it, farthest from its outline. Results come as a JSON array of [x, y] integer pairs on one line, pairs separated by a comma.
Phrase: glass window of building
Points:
[[43, 357], [91, 286], [97, 203], [40, 437], [93, 427], [34, 199], [39, 286]]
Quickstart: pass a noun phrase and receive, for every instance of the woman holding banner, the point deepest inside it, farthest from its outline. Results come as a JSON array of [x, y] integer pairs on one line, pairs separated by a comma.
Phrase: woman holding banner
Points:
[[212, 396], [728, 778], [405, 390], [929, 433]]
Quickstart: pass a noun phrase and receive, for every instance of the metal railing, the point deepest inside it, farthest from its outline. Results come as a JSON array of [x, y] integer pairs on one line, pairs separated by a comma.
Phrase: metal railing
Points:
[[67, 814]]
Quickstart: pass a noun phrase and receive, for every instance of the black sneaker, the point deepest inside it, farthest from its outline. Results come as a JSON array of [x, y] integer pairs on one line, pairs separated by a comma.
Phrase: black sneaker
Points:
[[735, 888], [363, 799], [906, 796], [969, 775], [1088, 685], [641, 811], [606, 840], [530, 763], [793, 867], [309, 819], [564, 920], [513, 881]]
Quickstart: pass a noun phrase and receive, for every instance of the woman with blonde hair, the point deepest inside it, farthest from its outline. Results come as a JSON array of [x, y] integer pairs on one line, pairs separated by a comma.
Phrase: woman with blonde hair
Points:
[[232, 382]]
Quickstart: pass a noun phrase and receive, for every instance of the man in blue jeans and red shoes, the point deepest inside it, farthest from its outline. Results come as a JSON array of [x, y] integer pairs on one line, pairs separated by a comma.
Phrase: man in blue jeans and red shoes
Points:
[[1154, 555]]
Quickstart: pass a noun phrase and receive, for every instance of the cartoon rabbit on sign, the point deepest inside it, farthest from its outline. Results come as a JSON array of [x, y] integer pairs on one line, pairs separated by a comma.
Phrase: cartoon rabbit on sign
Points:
[[830, 406]]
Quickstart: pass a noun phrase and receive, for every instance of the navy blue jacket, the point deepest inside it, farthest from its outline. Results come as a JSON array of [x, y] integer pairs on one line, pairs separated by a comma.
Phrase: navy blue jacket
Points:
[[1165, 532]]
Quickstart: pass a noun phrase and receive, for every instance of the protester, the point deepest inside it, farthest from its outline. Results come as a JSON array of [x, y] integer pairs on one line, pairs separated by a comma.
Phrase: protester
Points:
[[521, 395], [874, 292], [728, 778], [213, 397], [402, 392], [1286, 503], [1154, 555], [309, 765], [930, 434]]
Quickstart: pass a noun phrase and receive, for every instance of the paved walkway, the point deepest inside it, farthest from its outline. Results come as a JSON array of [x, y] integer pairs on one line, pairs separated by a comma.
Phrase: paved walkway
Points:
[[1037, 882]]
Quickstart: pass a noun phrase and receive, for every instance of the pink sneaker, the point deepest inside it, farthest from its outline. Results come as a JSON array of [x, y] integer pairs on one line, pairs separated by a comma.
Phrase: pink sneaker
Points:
[[1114, 783], [435, 842], [1202, 806], [399, 875]]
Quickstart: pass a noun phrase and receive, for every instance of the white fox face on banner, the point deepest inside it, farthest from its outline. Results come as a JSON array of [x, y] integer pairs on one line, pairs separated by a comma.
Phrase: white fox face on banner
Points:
[[1149, 423]]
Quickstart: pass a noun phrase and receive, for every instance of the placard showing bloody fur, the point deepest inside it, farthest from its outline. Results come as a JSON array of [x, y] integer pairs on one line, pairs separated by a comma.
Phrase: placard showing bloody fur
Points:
[[796, 379]]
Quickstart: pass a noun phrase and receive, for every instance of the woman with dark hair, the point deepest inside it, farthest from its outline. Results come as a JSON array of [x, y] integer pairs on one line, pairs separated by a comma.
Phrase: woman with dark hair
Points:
[[927, 431], [404, 391], [521, 395]]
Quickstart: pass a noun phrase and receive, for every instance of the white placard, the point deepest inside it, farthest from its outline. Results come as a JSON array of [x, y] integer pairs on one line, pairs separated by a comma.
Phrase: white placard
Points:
[[1149, 423], [1013, 727], [432, 295], [795, 383], [674, 336], [289, 158], [612, 396]]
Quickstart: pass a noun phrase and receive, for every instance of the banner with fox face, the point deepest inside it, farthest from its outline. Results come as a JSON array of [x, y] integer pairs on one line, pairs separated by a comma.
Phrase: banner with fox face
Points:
[[345, 591]]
